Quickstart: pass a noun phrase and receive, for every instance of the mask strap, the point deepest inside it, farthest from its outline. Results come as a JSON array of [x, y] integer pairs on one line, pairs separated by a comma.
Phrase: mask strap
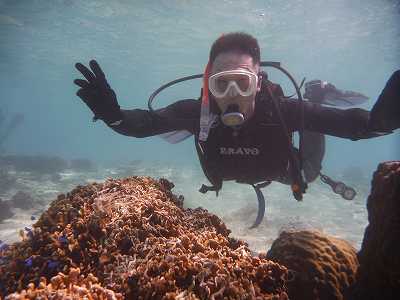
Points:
[[205, 107]]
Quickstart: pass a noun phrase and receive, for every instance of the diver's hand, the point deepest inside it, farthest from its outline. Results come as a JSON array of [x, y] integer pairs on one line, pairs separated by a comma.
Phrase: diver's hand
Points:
[[315, 90], [323, 92], [97, 94], [385, 115]]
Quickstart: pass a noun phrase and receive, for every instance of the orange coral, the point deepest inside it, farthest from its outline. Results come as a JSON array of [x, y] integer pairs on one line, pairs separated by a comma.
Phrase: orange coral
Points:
[[137, 239], [322, 267], [71, 286]]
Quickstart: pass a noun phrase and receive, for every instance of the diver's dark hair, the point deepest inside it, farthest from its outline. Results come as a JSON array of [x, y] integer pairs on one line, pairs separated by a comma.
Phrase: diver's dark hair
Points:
[[236, 41]]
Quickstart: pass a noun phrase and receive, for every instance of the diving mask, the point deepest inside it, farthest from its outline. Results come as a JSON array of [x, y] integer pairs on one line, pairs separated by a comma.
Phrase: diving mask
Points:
[[233, 83], [233, 91]]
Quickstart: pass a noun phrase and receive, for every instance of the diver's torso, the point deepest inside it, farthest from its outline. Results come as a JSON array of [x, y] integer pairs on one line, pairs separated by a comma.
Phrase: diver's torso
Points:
[[256, 152]]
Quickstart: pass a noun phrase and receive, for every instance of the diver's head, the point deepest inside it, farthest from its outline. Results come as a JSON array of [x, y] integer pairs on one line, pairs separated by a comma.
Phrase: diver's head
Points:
[[234, 76]]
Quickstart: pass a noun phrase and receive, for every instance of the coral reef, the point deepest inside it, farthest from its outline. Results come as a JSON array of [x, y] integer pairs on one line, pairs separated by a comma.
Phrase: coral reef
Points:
[[82, 165], [131, 238], [7, 181], [22, 200], [5, 210], [71, 286], [36, 164], [40, 165], [322, 267], [7, 128], [137, 239], [379, 273]]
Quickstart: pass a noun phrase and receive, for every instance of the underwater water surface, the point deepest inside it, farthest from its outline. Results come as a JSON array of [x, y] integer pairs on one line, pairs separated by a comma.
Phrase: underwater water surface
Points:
[[143, 44]]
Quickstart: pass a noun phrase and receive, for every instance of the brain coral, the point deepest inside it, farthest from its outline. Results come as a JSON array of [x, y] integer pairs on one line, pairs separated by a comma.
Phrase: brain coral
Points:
[[322, 267], [379, 273]]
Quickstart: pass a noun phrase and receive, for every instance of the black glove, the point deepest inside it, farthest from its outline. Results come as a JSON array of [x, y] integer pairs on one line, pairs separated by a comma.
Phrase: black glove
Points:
[[315, 90], [97, 94], [385, 115], [323, 92]]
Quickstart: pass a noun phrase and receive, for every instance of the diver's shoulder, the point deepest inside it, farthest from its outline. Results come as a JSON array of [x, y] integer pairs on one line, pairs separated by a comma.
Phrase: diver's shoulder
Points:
[[275, 88], [188, 107], [189, 104]]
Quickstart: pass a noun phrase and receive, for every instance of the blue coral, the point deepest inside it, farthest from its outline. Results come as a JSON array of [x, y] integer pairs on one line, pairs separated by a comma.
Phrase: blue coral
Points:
[[3, 246], [52, 264], [63, 240], [29, 232], [29, 262]]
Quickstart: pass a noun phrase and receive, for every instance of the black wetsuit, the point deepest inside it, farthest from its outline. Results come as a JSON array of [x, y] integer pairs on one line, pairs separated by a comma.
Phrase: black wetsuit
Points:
[[258, 150]]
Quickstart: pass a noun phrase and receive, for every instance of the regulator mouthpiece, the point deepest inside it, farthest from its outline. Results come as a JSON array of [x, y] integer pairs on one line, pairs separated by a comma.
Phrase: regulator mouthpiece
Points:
[[232, 116]]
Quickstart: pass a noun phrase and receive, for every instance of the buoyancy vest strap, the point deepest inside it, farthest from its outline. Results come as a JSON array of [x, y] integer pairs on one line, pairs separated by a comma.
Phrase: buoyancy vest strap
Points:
[[298, 184]]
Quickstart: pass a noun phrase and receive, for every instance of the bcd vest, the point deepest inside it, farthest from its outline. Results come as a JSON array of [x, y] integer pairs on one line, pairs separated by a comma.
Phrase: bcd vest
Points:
[[256, 152]]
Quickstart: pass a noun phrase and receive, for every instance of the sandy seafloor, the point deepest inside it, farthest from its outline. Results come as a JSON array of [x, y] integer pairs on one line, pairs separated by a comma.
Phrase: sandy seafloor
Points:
[[237, 203]]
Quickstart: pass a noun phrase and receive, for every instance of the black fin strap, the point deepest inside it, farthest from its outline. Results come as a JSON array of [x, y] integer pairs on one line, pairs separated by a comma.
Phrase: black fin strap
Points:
[[261, 203], [206, 188]]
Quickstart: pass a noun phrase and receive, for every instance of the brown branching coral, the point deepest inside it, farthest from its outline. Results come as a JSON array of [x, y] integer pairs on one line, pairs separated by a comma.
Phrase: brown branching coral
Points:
[[137, 239], [71, 286], [379, 273], [322, 267]]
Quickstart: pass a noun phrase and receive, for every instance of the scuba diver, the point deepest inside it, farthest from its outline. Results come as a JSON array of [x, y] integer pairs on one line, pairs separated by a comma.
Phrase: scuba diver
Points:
[[243, 124]]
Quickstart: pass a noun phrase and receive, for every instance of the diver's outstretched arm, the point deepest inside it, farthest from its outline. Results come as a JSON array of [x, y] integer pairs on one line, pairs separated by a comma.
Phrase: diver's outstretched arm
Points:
[[97, 94], [345, 123], [354, 123], [385, 115], [181, 115]]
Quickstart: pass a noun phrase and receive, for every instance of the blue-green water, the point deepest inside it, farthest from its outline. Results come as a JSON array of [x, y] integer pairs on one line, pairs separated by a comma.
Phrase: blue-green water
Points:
[[142, 44]]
